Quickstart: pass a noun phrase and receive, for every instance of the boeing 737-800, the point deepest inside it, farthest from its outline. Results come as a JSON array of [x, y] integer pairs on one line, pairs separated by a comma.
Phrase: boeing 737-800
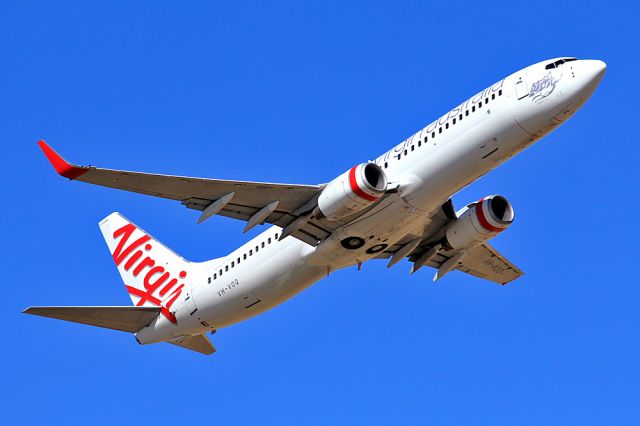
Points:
[[394, 207]]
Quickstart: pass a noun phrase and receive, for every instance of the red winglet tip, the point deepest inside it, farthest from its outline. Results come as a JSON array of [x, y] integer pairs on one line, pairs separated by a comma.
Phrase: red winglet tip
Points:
[[63, 168]]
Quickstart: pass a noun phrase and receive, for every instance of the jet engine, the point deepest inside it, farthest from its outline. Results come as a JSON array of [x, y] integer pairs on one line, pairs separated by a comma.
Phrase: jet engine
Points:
[[479, 222], [352, 191]]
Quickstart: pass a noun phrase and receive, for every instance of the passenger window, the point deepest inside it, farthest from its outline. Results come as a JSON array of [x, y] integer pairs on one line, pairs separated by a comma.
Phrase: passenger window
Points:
[[413, 148], [493, 96], [226, 268], [460, 118], [269, 240], [446, 126], [262, 244], [276, 237], [473, 108], [480, 104], [209, 280], [440, 130], [215, 276], [454, 121], [405, 152], [251, 252], [386, 164], [466, 113], [233, 263], [486, 100], [433, 134], [500, 92], [221, 272], [419, 143]]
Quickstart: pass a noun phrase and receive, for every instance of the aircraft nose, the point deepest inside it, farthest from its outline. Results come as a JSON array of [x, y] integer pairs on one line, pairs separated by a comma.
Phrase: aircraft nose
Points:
[[587, 75], [594, 70]]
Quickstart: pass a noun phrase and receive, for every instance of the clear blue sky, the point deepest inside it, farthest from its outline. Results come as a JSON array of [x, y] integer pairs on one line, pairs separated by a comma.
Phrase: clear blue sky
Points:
[[299, 93]]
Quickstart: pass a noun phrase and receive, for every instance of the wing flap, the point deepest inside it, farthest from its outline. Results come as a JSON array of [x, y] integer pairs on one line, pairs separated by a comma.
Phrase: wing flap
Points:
[[122, 318]]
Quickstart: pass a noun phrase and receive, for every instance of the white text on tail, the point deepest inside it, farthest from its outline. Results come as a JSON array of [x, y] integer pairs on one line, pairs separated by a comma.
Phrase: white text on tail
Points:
[[153, 274]]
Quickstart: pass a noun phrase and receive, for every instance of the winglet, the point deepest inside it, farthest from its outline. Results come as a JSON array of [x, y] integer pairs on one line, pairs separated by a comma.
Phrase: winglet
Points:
[[63, 168]]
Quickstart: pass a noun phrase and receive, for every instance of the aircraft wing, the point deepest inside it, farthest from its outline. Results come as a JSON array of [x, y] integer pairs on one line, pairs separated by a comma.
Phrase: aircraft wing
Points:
[[254, 202], [482, 261], [485, 262]]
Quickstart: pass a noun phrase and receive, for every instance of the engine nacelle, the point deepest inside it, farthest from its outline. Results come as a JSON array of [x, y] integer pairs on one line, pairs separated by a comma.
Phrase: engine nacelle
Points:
[[479, 222], [354, 190]]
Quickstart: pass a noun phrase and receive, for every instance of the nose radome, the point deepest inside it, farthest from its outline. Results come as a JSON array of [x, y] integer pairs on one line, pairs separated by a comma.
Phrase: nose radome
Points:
[[594, 69]]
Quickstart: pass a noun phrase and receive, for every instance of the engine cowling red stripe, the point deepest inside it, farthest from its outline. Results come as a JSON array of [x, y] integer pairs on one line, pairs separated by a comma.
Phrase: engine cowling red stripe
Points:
[[353, 183], [483, 220]]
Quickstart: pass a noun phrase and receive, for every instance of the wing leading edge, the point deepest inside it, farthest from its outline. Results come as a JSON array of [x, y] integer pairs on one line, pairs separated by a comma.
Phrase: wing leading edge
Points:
[[253, 202]]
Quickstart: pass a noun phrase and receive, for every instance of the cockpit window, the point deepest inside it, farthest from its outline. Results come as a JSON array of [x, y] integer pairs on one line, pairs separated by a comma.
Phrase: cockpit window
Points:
[[559, 62]]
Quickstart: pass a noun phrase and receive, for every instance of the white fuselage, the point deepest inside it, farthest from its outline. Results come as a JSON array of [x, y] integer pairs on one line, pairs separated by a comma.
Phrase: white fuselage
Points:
[[428, 168]]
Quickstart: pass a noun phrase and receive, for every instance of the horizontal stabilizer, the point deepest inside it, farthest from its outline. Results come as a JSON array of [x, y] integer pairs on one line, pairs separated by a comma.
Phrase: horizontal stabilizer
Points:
[[199, 343], [123, 318]]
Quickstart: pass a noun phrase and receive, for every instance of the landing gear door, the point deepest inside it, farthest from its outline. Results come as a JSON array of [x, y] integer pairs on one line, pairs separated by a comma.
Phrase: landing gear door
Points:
[[521, 87]]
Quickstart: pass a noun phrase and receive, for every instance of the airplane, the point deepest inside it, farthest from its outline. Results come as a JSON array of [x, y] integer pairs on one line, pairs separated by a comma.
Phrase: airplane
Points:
[[395, 207]]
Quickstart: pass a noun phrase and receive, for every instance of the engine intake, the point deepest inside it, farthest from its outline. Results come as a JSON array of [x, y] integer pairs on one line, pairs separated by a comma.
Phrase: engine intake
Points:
[[352, 191], [479, 222]]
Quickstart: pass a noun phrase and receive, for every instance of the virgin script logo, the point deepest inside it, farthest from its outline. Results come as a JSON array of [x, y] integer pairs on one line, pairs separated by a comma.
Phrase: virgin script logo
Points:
[[158, 287]]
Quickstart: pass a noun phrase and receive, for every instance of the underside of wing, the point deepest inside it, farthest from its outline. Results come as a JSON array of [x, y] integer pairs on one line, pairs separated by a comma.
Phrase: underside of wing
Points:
[[431, 232], [485, 262], [482, 261]]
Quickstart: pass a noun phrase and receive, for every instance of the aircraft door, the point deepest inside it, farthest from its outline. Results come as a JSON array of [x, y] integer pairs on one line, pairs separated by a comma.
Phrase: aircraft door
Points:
[[522, 90]]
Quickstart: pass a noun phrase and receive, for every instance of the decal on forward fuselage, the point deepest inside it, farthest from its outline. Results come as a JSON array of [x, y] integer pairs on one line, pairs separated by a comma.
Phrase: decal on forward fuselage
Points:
[[543, 87], [442, 121]]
